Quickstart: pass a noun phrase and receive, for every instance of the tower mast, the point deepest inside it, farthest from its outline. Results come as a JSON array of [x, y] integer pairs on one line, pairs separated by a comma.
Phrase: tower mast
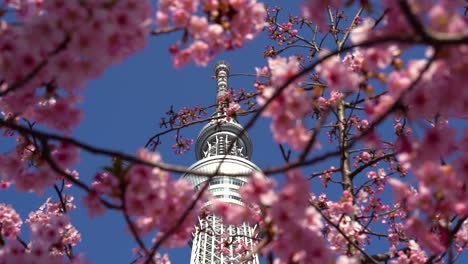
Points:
[[222, 148]]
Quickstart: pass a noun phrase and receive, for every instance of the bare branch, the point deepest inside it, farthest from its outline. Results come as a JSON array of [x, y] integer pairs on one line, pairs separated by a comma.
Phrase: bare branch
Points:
[[370, 163], [162, 31], [351, 27]]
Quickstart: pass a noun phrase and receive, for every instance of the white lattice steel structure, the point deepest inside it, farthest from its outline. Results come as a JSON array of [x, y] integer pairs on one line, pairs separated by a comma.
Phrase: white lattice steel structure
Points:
[[222, 148]]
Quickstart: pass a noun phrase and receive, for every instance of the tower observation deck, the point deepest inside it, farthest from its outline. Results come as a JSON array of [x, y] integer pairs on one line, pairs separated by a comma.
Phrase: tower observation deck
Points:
[[222, 148]]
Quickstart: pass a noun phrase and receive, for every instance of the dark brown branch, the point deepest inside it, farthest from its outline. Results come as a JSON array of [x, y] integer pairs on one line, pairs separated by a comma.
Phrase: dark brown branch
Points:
[[426, 35], [414, 22], [285, 154], [165, 31], [175, 128], [94, 150], [22, 242], [370, 163], [62, 201], [316, 174]]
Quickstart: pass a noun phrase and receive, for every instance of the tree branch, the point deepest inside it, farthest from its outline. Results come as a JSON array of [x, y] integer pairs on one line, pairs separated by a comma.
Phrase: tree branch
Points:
[[370, 163]]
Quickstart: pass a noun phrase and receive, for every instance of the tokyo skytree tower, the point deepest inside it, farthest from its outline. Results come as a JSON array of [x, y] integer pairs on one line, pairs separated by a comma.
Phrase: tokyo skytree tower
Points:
[[222, 148]]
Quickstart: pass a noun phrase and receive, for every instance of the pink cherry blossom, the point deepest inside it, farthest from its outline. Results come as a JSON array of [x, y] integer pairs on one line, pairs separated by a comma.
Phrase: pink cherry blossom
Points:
[[66, 155], [182, 145], [10, 222], [259, 190], [282, 69], [316, 10], [232, 110], [93, 204], [417, 228], [214, 33], [363, 31], [298, 137], [111, 31], [232, 214], [337, 75], [152, 196]]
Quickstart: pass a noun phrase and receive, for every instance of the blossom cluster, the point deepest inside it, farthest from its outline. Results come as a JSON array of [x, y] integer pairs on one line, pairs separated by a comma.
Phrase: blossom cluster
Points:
[[232, 110], [225, 25], [289, 106], [315, 10], [151, 197], [338, 74], [29, 172], [291, 223], [10, 222], [441, 194], [437, 91], [182, 145], [52, 235], [281, 33], [430, 88], [73, 41], [343, 215], [51, 230]]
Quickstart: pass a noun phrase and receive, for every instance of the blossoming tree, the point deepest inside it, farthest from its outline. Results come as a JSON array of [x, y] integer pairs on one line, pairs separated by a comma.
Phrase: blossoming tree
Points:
[[337, 78]]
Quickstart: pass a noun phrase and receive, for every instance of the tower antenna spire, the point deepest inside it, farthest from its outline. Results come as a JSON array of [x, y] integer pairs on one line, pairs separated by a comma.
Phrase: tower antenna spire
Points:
[[222, 72]]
